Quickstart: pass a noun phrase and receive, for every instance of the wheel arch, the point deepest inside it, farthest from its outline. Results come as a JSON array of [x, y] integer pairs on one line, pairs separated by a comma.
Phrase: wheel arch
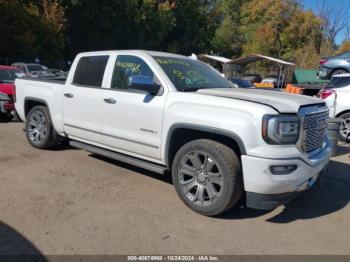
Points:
[[343, 112], [31, 102], [180, 134], [338, 68]]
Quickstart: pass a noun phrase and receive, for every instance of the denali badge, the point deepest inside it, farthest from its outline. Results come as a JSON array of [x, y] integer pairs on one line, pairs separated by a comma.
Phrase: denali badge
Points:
[[148, 131]]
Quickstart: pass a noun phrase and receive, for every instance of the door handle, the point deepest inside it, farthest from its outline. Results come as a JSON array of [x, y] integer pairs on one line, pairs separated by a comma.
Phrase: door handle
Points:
[[110, 100], [69, 95]]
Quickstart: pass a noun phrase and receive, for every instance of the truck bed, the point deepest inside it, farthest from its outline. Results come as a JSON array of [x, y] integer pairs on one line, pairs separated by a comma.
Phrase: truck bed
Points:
[[48, 91], [53, 80]]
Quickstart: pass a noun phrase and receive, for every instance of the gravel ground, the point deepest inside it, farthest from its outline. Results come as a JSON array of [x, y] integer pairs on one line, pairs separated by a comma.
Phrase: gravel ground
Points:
[[69, 201]]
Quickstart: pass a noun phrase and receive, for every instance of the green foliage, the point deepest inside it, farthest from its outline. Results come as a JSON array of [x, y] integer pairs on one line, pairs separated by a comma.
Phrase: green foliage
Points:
[[105, 24], [53, 29], [282, 29], [228, 41], [26, 30], [195, 24]]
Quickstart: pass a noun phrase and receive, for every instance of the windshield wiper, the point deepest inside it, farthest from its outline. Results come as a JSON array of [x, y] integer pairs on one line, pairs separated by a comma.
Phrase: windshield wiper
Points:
[[192, 89]]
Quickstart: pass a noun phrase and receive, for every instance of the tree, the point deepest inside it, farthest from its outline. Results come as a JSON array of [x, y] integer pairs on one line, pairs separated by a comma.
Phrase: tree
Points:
[[195, 25], [26, 32], [282, 29], [334, 18], [228, 41], [118, 24], [344, 47]]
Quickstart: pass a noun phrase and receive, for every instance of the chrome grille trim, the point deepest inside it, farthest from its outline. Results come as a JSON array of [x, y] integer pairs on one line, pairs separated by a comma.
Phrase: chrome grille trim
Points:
[[314, 123]]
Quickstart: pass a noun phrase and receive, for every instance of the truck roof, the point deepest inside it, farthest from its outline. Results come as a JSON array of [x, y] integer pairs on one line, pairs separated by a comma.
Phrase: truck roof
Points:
[[151, 53]]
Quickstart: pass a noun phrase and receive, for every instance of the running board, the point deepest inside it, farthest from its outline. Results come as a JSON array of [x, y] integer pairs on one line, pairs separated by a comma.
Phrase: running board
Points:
[[120, 157]]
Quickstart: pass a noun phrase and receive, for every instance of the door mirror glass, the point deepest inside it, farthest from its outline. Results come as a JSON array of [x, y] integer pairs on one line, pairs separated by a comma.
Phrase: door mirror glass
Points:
[[144, 84]]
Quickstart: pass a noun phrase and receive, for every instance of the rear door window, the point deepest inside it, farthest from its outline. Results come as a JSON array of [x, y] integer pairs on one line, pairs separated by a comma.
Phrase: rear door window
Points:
[[339, 82], [90, 71]]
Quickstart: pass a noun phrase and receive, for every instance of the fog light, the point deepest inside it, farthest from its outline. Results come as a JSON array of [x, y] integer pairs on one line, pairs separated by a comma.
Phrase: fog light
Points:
[[283, 170]]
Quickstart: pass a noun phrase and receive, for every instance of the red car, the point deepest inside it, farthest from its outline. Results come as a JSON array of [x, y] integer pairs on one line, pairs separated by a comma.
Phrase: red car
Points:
[[8, 74]]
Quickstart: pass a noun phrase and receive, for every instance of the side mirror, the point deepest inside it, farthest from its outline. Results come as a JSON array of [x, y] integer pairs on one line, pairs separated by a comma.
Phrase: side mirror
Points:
[[144, 84]]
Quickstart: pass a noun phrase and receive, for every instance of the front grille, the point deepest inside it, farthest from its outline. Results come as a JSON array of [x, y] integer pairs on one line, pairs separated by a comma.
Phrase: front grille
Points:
[[314, 130]]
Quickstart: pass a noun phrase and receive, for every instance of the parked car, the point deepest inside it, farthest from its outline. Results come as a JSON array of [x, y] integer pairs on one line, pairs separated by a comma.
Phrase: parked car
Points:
[[253, 78], [167, 113], [4, 99], [8, 74], [277, 81], [34, 70], [57, 72], [241, 83], [331, 66], [337, 96]]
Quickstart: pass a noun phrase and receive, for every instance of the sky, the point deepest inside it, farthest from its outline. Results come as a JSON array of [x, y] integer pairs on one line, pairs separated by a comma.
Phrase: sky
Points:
[[312, 4]]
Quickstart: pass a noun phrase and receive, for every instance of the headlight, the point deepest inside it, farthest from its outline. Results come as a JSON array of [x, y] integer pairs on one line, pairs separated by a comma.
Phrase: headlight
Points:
[[280, 129]]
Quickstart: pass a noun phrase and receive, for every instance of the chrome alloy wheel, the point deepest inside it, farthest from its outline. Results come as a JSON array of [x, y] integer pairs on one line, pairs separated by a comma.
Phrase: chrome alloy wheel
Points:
[[200, 178], [37, 127], [345, 128]]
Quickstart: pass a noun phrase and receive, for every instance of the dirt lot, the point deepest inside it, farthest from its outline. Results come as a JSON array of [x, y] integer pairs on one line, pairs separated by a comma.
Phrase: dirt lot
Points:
[[71, 202]]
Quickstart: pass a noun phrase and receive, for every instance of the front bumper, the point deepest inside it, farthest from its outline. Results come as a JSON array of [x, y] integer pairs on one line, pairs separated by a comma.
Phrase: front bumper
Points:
[[324, 73], [269, 202], [266, 190]]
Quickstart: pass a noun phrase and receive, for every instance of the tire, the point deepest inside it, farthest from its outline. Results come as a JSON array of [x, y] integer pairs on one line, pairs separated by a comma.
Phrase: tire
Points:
[[40, 132], [345, 128], [338, 72], [207, 176]]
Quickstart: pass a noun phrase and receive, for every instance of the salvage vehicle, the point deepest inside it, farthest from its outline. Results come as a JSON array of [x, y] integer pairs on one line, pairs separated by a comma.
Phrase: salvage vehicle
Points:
[[171, 114], [337, 97], [4, 99], [34, 70], [241, 83], [336, 65], [8, 74]]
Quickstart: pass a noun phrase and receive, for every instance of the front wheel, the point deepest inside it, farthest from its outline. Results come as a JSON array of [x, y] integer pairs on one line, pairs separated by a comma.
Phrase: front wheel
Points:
[[207, 176], [40, 132], [338, 72], [345, 128]]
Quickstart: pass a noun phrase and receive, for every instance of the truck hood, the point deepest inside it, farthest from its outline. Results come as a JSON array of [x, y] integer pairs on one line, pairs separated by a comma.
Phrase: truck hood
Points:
[[282, 102]]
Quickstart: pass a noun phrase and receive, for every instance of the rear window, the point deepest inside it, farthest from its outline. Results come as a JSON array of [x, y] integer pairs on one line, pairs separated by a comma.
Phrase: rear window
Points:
[[90, 71], [339, 82], [9, 76]]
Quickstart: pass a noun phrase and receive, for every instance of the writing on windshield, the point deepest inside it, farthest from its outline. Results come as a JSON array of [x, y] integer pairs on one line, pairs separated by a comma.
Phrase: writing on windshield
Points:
[[187, 74]]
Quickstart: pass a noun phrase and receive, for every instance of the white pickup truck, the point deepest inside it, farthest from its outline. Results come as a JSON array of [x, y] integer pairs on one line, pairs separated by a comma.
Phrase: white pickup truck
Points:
[[166, 112]]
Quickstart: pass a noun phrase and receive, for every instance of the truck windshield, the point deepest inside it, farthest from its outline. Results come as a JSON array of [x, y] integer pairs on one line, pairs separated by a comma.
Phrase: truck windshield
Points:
[[191, 75]]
